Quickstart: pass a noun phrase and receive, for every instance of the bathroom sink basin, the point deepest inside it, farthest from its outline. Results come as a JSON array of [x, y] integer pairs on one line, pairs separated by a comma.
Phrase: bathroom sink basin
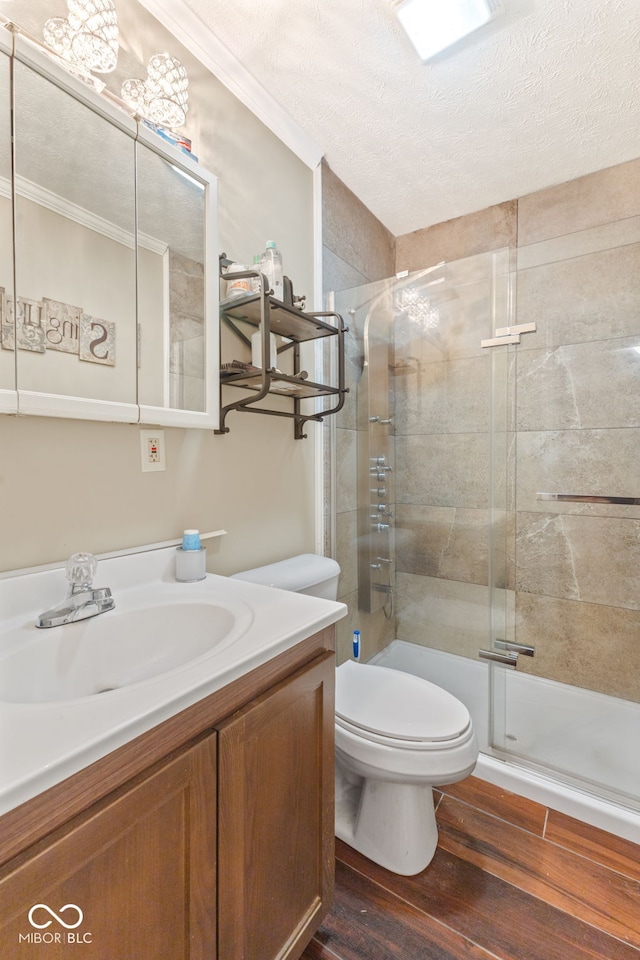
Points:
[[140, 642]]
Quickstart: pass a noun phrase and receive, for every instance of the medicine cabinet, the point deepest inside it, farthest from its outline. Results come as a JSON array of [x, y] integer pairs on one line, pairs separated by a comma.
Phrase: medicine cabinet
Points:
[[108, 289]]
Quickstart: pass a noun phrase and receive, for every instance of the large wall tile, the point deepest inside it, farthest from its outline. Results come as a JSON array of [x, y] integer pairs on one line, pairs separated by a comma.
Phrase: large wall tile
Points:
[[346, 553], [346, 472], [607, 236], [593, 559], [337, 274], [443, 470], [443, 614], [591, 462], [376, 631], [442, 542], [580, 386], [584, 298], [601, 197], [346, 221], [463, 237], [450, 397], [459, 322], [585, 644]]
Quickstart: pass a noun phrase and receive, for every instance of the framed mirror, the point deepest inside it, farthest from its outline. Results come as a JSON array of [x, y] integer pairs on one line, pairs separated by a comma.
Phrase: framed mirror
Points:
[[8, 395], [116, 302]]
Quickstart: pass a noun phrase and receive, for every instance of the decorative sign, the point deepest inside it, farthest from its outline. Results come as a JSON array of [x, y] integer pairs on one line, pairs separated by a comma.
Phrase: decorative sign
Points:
[[62, 326], [29, 325], [97, 340], [7, 332], [47, 324]]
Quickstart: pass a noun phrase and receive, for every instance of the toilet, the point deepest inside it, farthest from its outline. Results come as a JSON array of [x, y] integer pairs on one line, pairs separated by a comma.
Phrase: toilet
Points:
[[397, 736]]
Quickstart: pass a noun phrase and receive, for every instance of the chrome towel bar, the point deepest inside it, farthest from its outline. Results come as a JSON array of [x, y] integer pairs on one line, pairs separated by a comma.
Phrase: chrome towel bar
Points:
[[588, 498]]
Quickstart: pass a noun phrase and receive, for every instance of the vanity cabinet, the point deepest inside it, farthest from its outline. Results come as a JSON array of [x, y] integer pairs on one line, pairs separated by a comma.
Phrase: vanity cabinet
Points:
[[220, 848], [275, 819], [140, 867]]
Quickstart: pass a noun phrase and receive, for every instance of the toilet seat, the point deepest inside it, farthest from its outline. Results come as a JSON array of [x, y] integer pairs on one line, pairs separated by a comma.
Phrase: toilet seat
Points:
[[396, 708]]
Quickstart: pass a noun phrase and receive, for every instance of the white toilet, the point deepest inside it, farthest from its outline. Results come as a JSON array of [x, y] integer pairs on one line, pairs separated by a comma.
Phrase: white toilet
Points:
[[397, 736]]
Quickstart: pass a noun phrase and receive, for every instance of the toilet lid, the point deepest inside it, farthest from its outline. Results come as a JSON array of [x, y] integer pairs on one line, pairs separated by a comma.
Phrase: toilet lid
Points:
[[397, 705]]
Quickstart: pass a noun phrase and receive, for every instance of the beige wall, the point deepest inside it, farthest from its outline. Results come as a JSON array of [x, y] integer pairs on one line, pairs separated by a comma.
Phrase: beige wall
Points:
[[571, 568], [357, 249], [69, 485]]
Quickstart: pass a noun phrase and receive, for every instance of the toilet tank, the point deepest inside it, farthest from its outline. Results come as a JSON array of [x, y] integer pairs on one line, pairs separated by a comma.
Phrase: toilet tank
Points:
[[307, 573]]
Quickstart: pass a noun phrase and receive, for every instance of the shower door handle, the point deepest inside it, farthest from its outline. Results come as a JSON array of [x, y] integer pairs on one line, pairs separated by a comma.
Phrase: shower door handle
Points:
[[507, 653], [506, 659]]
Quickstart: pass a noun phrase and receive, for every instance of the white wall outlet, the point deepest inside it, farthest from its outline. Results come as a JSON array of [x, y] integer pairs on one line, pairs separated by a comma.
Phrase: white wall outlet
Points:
[[152, 450]]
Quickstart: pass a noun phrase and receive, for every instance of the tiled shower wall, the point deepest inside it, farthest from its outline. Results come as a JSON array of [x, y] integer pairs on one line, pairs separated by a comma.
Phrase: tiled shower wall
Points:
[[573, 581], [357, 249]]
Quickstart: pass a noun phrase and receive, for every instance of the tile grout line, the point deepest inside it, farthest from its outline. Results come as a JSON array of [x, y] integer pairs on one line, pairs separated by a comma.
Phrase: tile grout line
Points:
[[436, 920], [541, 836]]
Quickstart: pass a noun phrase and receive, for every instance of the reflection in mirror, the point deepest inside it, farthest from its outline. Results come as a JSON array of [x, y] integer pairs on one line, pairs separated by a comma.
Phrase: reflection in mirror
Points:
[[75, 246], [171, 284], [7, 311]]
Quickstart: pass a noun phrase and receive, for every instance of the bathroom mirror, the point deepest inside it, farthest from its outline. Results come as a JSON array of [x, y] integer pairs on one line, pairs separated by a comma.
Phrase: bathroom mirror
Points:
[[115, 308], [75, 239], [8, 395], [172, 294]]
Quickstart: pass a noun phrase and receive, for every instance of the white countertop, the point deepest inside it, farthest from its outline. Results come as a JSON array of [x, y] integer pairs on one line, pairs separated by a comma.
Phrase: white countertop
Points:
[[43, 743]]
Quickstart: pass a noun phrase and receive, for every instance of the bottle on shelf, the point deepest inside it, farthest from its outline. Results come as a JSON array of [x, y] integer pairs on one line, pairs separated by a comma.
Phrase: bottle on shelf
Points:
[[271, 266], [256, 350], [256, 284], [237, 286]]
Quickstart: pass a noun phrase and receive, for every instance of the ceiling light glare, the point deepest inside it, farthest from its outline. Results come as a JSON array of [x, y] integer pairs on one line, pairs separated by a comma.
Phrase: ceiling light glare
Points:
[[434, 25]]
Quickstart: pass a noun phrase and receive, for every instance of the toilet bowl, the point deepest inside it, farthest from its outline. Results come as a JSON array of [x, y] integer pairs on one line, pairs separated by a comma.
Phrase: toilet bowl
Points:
[[397, 736]]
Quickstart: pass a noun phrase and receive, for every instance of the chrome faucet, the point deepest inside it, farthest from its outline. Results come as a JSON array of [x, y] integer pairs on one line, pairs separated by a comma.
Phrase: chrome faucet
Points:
[[83, 600]]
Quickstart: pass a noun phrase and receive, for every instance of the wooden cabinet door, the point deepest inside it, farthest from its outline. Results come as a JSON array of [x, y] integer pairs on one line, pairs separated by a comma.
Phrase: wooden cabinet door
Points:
[[276, 818], [134, 877]]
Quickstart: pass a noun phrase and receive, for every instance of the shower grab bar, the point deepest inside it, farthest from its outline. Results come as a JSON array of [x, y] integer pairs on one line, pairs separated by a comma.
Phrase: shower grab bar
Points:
[[588, 498]]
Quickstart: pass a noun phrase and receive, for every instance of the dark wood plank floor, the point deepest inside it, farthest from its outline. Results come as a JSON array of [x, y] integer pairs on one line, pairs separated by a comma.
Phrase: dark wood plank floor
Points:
[[510, 880]]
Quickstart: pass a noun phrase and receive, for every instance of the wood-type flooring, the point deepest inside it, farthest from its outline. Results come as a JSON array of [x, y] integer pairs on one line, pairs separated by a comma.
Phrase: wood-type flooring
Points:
[[511, 879]]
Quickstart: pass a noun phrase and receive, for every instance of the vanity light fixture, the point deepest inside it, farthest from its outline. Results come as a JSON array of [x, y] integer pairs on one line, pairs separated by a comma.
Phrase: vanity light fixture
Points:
[[88, 38], [434, 25], [162, 97]]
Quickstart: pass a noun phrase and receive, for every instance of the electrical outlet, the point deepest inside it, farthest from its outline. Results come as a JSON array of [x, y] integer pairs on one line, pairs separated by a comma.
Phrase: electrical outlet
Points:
[[152, 450]]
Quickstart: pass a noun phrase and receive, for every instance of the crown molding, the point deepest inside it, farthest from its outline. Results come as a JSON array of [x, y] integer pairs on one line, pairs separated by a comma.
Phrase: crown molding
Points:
[[200, 40]]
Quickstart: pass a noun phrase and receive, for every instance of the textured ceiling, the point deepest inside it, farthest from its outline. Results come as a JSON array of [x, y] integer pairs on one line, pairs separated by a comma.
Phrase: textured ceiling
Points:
[[548, 91]]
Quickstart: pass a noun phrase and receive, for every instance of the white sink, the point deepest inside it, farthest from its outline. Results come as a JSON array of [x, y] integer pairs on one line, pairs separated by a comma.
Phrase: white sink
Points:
[[70, 695], [147, 638]]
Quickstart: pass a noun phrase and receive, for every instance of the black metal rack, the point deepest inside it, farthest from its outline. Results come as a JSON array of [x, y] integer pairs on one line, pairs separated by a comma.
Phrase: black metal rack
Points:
[[263, 311]]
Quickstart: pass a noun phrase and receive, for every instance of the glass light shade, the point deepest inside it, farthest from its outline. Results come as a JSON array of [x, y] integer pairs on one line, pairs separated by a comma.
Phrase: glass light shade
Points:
[[88, 38], [434, 25], [95, 33], [167, 91], [57, 36], [134, 94], [162, 97]]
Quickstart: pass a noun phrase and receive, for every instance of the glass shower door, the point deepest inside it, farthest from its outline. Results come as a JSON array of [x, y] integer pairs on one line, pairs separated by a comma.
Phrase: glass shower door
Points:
[[432, 433], [574, 709]]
